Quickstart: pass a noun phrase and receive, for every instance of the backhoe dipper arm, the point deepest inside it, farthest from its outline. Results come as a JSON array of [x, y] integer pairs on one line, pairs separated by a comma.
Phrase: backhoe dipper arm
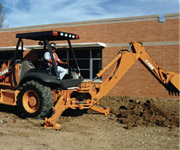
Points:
[[163, 76]]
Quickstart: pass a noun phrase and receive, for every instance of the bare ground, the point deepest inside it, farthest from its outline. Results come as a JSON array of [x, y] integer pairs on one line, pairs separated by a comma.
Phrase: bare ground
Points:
[[133, 124]]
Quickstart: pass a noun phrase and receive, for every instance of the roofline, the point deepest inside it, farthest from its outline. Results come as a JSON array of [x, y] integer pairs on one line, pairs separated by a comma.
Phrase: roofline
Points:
[[92, 44], [172, 16], [92, 22]]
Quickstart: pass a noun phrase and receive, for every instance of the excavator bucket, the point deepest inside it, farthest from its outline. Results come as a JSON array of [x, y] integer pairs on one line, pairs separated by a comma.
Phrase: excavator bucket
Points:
[[175, 80]]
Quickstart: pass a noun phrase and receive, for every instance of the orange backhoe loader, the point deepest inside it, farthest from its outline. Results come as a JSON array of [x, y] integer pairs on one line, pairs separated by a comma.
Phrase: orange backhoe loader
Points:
[[39, 93]]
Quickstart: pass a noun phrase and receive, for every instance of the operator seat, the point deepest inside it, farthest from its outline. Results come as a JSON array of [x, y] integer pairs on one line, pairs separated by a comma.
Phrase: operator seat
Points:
[[24, 67]]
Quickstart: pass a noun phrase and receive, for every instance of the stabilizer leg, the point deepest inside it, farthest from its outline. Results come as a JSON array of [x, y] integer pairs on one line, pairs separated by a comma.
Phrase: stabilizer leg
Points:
[[103, 110], [50, 123]]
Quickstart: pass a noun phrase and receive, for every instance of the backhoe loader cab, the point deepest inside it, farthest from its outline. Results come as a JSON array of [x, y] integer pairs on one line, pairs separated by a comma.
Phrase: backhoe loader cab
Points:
[[43, 73]]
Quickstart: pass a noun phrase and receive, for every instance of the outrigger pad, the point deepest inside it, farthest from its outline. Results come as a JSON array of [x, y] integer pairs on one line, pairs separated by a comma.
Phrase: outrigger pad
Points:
[[56, 126]]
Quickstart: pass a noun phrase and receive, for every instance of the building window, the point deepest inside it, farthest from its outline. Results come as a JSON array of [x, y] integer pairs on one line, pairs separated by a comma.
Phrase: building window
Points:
[[89, 60]]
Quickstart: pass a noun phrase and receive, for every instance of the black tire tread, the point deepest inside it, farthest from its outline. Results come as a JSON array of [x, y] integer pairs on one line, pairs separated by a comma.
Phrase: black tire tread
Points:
[[46, 99]]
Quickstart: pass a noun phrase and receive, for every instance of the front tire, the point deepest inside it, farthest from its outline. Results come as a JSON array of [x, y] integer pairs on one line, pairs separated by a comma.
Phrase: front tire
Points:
[[34, 100]]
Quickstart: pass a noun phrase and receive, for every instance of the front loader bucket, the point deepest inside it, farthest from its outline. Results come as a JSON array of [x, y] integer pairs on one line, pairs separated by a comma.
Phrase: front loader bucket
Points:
[[175, 80]]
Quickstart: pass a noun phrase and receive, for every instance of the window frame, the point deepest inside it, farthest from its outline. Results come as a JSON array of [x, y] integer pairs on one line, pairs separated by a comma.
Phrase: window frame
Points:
[[91, 59]]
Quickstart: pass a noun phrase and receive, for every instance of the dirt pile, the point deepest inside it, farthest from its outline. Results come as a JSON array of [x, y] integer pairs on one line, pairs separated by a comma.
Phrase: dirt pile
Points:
[[136, 114], [144, 112]]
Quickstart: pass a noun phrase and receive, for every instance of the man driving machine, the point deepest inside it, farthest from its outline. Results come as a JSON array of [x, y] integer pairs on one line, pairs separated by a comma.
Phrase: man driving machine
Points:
[[47, 57]]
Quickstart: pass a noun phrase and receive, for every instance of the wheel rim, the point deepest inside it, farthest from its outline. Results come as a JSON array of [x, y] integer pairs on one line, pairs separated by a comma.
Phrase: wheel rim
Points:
[[31, 101]]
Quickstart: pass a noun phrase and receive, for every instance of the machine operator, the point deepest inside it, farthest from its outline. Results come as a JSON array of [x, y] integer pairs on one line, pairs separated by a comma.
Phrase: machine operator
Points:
[[47, 57]]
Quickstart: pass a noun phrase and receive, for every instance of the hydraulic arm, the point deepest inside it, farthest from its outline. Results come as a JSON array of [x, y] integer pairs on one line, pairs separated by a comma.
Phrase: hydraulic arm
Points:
[[89, 94], [163, 76], [124, 61]]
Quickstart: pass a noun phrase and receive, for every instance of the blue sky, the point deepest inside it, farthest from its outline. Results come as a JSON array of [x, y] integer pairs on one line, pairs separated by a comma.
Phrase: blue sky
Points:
[[19, 13]]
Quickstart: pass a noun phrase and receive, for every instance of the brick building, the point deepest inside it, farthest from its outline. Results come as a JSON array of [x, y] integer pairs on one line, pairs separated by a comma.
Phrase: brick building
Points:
[[100, 41]]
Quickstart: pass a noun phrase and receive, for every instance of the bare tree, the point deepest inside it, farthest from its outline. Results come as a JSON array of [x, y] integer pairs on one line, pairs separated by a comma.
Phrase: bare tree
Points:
[[1, 16]]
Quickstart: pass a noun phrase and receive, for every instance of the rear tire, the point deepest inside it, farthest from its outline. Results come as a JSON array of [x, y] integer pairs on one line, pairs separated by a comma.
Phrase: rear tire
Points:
[[34, 100]]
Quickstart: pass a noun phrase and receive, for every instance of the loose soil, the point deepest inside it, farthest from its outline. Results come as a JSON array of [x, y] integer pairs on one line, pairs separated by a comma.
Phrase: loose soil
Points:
[[133, 124]]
